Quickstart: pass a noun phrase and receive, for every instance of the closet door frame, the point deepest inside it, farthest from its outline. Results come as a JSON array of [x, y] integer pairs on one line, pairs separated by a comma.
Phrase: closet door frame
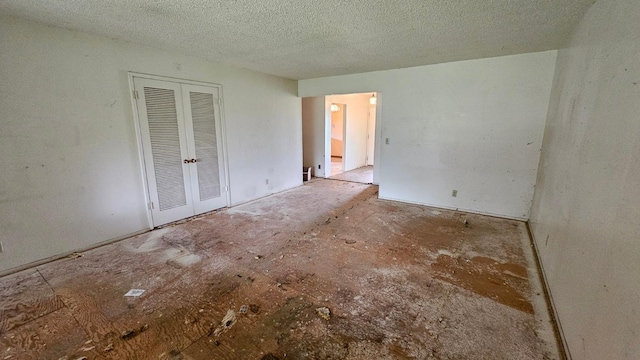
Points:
[[141, 157]]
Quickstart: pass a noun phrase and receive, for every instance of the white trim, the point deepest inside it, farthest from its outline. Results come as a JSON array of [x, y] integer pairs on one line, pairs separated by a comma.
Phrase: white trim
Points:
[[136, 121], [377, 145], [131, 75], [172, 79], [63, 255], [327, 138], [545, 283], [344, 137], [501, 216], [244, 202], [223, 126]]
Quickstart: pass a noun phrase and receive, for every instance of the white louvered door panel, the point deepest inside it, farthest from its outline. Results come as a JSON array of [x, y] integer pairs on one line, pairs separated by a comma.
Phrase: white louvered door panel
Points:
[[165, 147], [204, 134]]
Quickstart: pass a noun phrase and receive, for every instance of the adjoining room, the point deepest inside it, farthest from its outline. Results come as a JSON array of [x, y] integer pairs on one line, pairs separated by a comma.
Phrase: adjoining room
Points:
[[351, 137]]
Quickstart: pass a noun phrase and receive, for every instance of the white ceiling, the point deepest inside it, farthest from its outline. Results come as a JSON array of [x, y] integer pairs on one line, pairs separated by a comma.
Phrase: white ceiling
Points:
[[301, 39]]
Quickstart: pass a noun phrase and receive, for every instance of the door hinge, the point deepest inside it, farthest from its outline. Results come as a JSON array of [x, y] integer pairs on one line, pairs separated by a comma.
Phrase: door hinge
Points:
[[150, 205], [135, 94]]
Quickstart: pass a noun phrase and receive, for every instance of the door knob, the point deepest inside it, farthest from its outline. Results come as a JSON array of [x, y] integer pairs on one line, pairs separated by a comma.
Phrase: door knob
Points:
[[194, 160], [186, 161]]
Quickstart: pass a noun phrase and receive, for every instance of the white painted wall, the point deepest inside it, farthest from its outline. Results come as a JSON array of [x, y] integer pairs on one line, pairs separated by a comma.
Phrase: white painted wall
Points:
[[314, 136], [355, 136], [377, 150], [474, 126], [585, 216], [371, 135], [71, 176]]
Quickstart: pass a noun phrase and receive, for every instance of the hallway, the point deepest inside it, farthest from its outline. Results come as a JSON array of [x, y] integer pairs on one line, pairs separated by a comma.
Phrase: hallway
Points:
[[363, 175]]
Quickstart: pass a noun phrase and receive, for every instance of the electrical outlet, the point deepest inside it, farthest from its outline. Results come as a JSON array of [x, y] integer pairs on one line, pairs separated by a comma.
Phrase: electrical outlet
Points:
[[454, 193]]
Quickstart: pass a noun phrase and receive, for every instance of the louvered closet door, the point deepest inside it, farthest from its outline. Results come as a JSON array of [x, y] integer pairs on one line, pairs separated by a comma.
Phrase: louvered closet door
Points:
[[204, 134], [164, 141]]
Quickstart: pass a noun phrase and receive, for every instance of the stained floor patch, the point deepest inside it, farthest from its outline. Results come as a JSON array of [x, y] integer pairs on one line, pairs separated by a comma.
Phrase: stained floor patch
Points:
[[504, 283]]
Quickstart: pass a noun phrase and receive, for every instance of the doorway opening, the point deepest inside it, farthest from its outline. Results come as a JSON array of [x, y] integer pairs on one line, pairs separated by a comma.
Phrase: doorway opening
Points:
[[352, 136], [340, 137]]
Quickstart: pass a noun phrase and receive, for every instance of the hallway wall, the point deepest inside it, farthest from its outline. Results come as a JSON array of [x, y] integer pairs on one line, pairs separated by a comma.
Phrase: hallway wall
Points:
[[472, 126], [314, 128]]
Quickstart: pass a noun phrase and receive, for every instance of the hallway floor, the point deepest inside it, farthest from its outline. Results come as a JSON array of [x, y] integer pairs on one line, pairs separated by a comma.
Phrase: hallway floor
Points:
[[362, 175], [336, 166], [323, 271]]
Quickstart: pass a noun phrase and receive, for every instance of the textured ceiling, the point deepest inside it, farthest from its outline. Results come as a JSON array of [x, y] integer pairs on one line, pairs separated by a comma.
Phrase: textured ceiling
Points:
[[303, 39]]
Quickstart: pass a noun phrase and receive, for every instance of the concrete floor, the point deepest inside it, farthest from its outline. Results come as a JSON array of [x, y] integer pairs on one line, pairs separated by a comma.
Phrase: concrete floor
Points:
[[336, 166], [362, 175], [401, 282]]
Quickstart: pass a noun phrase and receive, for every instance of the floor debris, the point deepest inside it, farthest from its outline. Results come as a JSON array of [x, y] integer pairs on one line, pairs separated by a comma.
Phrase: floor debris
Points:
[[451, 292], [324, 312], [243, 309], [227, 322], [133, 333], [134, 292]]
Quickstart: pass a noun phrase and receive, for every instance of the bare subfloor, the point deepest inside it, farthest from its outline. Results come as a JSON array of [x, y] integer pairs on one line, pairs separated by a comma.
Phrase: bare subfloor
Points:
[[401, 282]]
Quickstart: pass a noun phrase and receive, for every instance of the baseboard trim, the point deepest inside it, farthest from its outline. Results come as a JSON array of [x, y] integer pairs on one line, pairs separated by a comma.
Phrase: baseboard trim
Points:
[[561, 341], [67, 253], [243, 202], [499, 216], [120, 238]]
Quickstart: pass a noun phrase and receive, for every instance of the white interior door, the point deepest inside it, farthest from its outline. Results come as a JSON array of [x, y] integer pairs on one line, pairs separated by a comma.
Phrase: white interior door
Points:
[[204, 133], [164, 144], [182, 147]]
